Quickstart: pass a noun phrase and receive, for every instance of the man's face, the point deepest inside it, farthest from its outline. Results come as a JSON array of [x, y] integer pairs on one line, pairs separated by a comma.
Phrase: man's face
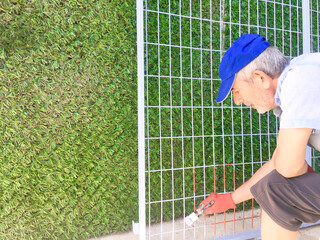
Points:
[[253, 93]]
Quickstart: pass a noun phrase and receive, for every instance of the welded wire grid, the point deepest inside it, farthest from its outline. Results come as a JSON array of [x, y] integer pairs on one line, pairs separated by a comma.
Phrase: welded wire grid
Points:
[[195, 146]]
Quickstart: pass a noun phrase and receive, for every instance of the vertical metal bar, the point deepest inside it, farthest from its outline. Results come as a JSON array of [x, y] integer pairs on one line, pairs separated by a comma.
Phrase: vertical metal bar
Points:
[[282, 15], [141, 133], [306, 47], [298, 28], [275, 23], [258, 17], [266, 7], [212, 100], [147, 181], [306, 25], [202, 111], [171, 122], [160, 122], [275, 43], [192, 110], [290, 28], [182, 129]]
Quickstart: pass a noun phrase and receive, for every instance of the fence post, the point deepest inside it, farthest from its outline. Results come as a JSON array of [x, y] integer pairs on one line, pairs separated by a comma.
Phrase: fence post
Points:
[[141, 123], [306, 25], [306, 48]]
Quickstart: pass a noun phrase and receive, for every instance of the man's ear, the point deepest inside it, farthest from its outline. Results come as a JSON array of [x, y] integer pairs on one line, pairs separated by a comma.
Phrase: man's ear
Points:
[[261, 78]]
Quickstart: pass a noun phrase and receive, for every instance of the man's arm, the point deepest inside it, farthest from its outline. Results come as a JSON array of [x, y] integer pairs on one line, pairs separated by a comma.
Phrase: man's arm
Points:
[[243, 193], [290, 157]]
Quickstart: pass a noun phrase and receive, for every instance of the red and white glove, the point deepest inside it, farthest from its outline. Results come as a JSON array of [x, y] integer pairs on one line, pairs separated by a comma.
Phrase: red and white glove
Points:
[[310, 169], [222, 202]]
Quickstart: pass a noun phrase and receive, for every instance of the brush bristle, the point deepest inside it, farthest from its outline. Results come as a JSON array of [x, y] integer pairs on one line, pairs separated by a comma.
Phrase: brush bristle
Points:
[[189, 220]]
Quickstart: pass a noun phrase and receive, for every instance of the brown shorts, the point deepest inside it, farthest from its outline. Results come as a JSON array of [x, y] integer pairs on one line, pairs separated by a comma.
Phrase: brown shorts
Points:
[[289, 201]]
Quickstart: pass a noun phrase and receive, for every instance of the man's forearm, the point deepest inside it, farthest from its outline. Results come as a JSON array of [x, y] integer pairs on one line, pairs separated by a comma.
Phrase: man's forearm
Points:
[[243, 193]]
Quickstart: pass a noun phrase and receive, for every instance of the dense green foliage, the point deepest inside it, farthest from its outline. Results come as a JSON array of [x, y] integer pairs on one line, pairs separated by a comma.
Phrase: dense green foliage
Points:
[[68, 149], [68, 116]]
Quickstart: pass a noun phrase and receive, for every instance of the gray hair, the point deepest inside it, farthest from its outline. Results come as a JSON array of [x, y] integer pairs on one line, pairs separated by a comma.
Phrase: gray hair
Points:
[[271, 61]]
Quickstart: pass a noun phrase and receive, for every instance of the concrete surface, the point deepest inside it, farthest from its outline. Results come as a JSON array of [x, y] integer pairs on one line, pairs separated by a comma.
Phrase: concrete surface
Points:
[[205, 228], [310, 233]]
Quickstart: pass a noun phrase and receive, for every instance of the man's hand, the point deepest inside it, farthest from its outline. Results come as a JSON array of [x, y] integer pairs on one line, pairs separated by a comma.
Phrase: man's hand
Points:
[[222, 203]]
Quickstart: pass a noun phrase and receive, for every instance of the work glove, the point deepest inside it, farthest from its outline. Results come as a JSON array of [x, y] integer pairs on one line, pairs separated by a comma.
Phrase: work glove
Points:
[[222, 202], [310, 169]]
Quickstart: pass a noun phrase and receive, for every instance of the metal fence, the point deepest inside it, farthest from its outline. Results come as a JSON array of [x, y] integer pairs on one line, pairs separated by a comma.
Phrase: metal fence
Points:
[[190, 146]]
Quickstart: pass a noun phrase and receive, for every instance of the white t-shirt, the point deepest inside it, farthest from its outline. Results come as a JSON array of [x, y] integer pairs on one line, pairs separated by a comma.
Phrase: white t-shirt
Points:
[[298, 95]]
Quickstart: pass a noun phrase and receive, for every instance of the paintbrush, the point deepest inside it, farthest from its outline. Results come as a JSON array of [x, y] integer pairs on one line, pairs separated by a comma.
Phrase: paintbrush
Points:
[[189, 220]]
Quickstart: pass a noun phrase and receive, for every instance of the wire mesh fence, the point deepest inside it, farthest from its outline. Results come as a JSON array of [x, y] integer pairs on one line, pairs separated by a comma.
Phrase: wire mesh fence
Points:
[[194, 146]]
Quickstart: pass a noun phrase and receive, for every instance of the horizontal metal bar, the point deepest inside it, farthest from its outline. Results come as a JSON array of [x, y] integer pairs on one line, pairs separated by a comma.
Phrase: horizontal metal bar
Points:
[[206, 166], [206, 136]]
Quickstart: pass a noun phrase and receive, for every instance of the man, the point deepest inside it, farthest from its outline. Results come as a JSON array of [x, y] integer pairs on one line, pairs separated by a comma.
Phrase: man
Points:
[[260, 76]]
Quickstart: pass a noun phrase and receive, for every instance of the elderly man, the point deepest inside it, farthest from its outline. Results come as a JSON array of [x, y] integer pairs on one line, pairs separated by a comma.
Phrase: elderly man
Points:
[[286, 188]]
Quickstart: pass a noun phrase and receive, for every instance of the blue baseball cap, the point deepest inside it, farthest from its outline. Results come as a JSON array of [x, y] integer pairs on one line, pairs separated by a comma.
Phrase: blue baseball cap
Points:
[[240, 54]]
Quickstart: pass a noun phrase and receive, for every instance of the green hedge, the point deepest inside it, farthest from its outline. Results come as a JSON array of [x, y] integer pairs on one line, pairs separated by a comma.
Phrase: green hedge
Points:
[[68, 149], [68, 110]]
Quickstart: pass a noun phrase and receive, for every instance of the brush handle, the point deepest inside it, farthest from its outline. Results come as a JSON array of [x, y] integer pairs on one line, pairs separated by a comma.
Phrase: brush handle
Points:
[[205, 207]]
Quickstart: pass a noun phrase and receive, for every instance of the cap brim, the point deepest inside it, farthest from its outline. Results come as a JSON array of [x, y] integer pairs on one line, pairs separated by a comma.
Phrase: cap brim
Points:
[[225, 88]]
